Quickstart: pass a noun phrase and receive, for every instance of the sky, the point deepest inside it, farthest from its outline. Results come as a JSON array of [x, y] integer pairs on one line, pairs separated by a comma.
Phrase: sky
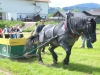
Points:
[[63, 3]]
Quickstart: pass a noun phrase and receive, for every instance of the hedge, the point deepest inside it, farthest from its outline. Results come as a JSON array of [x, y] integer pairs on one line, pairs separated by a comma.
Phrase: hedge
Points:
[[9, 23]]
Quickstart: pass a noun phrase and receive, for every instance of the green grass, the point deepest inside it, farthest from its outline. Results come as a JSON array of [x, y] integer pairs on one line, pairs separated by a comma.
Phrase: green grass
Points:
[[98, 26], [9, 23], [82, 62]]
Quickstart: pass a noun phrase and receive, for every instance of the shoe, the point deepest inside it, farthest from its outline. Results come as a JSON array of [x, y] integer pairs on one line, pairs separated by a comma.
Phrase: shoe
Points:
[[82, 47]]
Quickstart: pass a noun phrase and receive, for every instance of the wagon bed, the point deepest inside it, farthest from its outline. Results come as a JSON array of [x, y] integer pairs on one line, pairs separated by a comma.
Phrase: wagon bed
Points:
[[14, 48]]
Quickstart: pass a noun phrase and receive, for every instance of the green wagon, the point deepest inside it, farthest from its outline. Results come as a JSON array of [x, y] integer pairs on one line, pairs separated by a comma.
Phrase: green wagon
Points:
[[14, 48]]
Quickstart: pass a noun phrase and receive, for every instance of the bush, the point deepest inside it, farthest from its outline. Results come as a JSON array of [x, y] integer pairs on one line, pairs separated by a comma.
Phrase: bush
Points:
[[9, 23]]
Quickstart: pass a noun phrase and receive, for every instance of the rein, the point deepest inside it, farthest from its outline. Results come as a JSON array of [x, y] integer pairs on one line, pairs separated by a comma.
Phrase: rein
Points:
[[87, 29]]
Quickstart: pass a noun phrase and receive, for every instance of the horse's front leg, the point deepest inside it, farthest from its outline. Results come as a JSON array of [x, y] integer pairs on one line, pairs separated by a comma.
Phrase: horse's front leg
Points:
[[68, 52]]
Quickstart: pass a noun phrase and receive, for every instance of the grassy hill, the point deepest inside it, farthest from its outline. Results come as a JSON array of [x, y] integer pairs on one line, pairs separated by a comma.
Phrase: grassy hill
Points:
[[79, 7]]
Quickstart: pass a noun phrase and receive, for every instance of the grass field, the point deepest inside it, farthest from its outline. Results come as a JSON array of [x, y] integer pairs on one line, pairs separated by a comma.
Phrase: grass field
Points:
[[82, 62]]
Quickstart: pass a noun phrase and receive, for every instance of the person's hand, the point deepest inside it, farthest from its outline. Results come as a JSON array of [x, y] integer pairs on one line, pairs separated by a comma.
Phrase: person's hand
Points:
[[31, 33]]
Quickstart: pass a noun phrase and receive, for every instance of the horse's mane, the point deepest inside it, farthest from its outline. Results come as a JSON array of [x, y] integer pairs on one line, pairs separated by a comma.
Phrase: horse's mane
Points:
[[78, 22]]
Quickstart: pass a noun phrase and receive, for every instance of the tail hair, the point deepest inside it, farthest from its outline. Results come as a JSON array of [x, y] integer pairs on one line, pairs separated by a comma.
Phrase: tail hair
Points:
[[30, 42]]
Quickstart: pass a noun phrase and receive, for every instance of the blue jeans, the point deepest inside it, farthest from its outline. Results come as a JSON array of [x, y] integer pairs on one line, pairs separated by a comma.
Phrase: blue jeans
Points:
[[14, 36], [89, 45]]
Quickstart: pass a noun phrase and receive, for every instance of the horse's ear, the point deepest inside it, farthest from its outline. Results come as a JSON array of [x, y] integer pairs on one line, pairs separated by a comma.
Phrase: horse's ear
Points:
[[69, 13], [91, 19]]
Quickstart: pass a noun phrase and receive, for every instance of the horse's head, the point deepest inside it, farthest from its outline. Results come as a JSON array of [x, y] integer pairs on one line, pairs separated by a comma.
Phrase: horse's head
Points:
[[90, 30]]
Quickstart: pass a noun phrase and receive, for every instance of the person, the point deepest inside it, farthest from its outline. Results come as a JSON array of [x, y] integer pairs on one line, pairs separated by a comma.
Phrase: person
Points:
[[33, 31], [83, 41], [1, 36], [6, 31], [38, 30], [19, 32], [88, 43], [15, 32], [11, 31], [39, 27]]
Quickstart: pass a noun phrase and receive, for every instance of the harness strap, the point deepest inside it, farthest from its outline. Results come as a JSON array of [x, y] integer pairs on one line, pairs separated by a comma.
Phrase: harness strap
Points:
[[65, 25]]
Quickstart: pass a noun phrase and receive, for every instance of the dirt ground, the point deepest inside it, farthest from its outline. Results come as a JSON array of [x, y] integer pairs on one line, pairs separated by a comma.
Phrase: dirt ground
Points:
[[3, 72]]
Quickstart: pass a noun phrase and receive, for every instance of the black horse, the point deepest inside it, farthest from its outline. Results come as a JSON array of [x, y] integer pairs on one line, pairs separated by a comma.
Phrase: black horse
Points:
[[64, 34]]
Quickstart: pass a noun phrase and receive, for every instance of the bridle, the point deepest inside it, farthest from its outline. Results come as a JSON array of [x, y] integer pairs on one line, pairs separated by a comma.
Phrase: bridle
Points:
[[88, 28]]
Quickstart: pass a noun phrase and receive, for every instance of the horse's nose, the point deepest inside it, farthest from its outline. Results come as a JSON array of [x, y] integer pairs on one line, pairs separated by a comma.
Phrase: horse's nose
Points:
[[93, 40]]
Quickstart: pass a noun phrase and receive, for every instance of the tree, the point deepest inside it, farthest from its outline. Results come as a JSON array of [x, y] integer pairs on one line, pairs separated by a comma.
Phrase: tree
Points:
[[62, 9], [75, 10], [50, 15]]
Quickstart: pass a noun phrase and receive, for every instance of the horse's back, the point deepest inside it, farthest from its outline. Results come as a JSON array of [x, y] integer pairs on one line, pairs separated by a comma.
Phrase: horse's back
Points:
[[47, 27], [45, 33], [48, 30]]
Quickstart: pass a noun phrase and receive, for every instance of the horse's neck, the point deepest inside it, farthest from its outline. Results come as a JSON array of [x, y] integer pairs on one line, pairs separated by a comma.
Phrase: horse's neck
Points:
[[70, 28]]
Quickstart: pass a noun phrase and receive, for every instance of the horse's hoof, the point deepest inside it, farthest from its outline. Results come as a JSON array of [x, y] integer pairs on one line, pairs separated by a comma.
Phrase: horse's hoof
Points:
[[54, 62], [44, 52], [65, 64], [41, 62]]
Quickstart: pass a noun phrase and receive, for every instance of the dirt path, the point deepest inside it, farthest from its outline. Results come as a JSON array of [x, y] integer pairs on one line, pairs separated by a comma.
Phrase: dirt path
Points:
[[29, 24], [5, 72]]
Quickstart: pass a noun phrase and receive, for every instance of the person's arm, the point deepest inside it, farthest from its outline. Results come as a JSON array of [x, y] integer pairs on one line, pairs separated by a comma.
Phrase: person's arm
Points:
[[0, 31], [35, 30], [10, 30], [32, 31], [3, 31]]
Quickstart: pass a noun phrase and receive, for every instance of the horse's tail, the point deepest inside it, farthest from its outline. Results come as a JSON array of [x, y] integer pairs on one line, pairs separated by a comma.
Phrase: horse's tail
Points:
[[31, 41]]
